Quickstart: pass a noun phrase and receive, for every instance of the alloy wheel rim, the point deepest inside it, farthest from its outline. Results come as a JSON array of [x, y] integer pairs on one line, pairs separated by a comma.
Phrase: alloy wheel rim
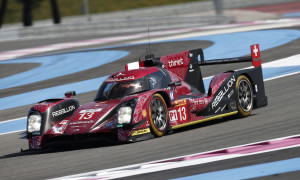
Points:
[[245, 95], [158, 114]]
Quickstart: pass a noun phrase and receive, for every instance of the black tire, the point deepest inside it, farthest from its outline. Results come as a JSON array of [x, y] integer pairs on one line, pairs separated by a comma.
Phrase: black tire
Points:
[[244, 96], [158, 115]]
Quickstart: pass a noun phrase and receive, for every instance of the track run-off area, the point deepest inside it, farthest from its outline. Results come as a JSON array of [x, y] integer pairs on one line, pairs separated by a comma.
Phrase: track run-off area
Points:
[[252, 147]]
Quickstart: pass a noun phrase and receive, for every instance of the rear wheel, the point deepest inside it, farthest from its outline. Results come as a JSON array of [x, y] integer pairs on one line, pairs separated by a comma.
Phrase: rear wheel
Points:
[[158, 115], [244, 96]]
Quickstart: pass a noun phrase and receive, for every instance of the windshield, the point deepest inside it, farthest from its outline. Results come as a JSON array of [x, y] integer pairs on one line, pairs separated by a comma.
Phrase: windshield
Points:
[[116, 90]]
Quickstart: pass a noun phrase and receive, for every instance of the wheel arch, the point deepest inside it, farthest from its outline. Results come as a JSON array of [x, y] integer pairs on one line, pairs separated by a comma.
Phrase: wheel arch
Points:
[[252, 85], [250, 79], [255, 77], [166, 97]]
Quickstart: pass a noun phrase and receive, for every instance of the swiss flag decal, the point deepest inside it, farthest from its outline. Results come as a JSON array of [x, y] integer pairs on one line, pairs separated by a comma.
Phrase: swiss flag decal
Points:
[[256, 61]]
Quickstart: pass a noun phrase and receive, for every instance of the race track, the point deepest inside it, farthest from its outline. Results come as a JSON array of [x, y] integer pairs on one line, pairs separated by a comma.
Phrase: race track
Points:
[[279, 119]]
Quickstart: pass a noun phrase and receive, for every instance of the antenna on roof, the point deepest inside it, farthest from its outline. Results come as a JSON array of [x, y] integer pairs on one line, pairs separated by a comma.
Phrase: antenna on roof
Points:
[[149, 56], [149, 40]]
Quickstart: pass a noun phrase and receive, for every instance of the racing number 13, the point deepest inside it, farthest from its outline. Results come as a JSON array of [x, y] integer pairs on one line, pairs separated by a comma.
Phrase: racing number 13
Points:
[[182, 113]]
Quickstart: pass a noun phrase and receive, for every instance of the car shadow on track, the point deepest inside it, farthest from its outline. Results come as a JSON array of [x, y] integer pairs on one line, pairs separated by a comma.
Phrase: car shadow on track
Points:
[[60, 148]]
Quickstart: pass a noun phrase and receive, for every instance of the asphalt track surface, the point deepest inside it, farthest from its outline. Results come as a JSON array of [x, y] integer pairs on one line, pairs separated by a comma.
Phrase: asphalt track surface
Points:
[[279, 118]]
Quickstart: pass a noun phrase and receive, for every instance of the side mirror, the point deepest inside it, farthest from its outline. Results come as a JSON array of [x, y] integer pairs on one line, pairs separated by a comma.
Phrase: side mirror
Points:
[[177, 83], [70, 94]]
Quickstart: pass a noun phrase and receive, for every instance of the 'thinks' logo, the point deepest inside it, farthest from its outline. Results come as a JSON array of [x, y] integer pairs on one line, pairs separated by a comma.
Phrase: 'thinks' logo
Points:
[[175, 62]]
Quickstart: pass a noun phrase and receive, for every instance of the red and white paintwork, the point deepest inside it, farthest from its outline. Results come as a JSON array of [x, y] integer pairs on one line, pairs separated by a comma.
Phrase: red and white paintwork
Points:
[[184, 107]]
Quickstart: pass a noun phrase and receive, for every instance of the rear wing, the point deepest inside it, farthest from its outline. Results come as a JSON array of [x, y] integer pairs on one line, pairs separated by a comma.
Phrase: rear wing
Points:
[[255, 58], [186, 65]]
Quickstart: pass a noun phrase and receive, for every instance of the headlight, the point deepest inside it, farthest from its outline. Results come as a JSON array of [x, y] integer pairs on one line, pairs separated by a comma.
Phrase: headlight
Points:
[[34, 123], [124, 115]]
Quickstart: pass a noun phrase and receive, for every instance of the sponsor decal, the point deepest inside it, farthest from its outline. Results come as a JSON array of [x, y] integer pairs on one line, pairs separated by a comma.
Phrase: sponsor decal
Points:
[[63, 111], [175, 62], [231, 93], [139, 132], [191, 55], [217, 109], [191, 68], [120, 74], [120, 79], [117, 78], [180, 102], [172, 95], [223, 108], [199, 102], [144, 113], [57, 129], [173, 115], [223, 92], [63, 122], [81, 122], [90, 110]]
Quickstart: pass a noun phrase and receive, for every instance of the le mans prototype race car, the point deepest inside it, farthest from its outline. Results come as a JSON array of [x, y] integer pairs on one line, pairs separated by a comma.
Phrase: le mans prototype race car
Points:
[[149, 99]]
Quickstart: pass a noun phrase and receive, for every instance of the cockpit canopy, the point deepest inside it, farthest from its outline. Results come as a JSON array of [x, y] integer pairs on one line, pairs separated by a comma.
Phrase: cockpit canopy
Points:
[[116, 90]]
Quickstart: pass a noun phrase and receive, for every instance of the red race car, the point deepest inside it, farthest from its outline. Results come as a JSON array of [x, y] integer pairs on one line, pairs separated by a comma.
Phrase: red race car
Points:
[[149, 99]]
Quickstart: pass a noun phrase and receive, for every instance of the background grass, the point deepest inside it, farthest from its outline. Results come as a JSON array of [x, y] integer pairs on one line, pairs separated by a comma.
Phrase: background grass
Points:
[[42, 9]]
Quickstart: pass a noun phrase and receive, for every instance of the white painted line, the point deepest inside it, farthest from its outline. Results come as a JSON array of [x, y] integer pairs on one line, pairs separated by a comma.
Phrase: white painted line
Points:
[[47, 48], [287, 61], [285, 75], [12, 120], [188, 32], [184, 161], [259, 25]]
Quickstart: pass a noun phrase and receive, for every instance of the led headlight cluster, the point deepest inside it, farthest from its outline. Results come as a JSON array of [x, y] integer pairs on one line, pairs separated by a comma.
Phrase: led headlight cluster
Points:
[[124, 115], [126, 110], [34, 123]]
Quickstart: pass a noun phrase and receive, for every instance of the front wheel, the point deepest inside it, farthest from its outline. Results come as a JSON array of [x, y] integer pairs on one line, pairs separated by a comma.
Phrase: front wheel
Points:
[[158, 115], [244, 96]]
